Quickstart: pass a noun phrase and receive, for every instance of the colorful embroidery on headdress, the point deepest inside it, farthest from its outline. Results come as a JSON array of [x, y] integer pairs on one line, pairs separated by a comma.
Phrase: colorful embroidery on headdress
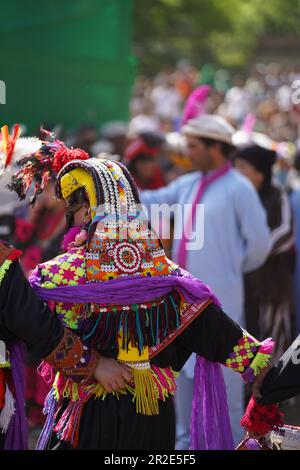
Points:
[[107, 258]]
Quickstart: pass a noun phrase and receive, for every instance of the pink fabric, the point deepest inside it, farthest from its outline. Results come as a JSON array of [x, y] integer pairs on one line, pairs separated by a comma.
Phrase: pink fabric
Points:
[[195, 105], [69, 237], [203, 185], [249, 123]]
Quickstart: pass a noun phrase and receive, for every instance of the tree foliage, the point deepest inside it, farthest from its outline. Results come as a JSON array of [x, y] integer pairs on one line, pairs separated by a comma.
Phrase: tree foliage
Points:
[[222, 31]]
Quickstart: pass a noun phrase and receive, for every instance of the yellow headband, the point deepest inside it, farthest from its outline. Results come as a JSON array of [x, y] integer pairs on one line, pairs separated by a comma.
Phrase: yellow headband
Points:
[[79, 178]]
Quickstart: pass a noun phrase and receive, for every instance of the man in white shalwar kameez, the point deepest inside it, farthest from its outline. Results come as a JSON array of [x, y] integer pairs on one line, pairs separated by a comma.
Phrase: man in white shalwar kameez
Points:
[[236, 240]]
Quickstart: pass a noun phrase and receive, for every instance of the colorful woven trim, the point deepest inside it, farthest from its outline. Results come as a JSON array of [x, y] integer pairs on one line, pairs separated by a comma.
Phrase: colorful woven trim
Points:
[[243, 353], [187, 315], [261, 360], [249, 356], [4, 268]]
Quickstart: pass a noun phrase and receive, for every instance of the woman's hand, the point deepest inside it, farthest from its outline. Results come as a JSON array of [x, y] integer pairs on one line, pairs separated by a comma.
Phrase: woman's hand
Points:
[[112, 375], [257, 382]]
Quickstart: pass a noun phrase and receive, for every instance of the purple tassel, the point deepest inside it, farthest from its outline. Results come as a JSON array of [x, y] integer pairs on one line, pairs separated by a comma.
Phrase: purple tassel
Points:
[[49, 410], [210, 423], [17, 434]]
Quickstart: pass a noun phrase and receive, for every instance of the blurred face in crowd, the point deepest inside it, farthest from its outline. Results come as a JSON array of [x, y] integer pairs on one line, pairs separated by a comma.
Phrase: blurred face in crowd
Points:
[[144, 168], [204, 157], [248, 170], [48, 200]]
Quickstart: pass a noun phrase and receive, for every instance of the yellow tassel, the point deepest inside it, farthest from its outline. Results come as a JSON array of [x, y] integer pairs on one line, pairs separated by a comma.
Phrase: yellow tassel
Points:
[[154, 375], [67, 389], [55, 387], [170, 382], [99, 391], [75, 395], [5, 365], [260, 361], [3, 268], [144, 393]]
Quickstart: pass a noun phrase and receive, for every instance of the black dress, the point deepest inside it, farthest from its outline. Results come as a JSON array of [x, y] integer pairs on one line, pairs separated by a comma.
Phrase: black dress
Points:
[[24, 316], [114, 424]]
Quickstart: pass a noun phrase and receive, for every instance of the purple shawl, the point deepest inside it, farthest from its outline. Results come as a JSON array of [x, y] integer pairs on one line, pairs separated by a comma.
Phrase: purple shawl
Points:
[[17, 434], [210, 425], [129, 290]]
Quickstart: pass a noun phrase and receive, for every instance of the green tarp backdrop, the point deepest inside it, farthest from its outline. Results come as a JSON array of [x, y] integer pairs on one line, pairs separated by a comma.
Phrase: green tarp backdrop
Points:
[[65, 61]]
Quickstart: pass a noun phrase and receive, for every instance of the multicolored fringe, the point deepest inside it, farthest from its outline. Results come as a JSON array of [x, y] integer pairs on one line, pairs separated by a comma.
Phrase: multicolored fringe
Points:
[[139, 325], [261, 360], [164, 381], [4, 268], [148, 386], [67, 428]]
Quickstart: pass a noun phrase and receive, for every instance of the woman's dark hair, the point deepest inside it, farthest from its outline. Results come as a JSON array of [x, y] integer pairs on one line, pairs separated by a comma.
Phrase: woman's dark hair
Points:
[[77, 197], [142, 157], [226, 149]]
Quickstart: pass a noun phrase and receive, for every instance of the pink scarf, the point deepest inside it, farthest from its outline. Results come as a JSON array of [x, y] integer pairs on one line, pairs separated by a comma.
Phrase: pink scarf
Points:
[[203, 185]]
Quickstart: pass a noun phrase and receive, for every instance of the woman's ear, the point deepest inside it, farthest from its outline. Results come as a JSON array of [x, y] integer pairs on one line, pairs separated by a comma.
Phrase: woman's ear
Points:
[[87, 218]]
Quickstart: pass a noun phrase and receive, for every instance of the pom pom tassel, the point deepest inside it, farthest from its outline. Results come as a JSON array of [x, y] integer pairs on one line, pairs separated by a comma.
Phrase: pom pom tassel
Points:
[[261, 419]]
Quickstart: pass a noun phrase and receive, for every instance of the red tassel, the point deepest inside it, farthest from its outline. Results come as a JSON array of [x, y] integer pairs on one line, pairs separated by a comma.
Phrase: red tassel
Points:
[[15, 254], [64, 155], [261, 419]]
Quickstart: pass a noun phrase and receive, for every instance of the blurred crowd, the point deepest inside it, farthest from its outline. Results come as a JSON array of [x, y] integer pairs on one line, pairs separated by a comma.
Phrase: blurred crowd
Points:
[[262, 104]]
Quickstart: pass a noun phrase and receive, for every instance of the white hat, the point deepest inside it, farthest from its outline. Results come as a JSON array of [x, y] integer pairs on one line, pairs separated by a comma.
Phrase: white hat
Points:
[[209, 126], [142, 123], [176, 142], [242, 137]]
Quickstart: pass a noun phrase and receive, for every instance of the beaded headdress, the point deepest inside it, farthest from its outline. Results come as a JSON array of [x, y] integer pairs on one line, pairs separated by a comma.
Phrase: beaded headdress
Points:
[[122, 242]]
